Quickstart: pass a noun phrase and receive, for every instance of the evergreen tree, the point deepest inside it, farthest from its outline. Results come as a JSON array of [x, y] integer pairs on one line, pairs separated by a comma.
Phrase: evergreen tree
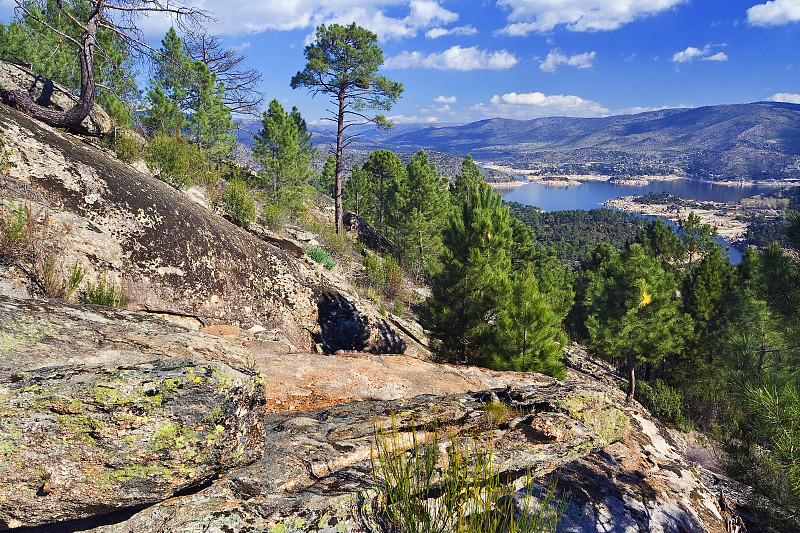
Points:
[[169, 88], [660, 241], [633, 311], [324, 181], [528, 330], [697, 239], [468, 287], [358, 193], [386, 171], [465, 182], [285, 159], [423, 204]]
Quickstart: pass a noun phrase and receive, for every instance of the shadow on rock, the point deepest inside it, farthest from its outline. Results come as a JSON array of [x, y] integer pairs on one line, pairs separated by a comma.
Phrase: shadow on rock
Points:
[[344, 328]]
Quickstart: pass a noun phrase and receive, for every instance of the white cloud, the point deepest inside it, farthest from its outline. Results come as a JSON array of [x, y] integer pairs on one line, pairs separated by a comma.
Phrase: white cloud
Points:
[[556, 58], [687, 55], [403, 119], [691, 53], [791, 98], [255, 16], [536, 104], [446, 99], [435, 33], [774, 13], [719, 56], [454, 58], [528, 16]]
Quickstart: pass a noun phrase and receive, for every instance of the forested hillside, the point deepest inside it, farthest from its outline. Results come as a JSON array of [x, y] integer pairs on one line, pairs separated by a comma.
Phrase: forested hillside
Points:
[[701, 343]]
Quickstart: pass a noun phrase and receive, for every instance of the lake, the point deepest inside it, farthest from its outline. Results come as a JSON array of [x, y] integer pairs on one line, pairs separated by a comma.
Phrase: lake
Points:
[[591, 195]]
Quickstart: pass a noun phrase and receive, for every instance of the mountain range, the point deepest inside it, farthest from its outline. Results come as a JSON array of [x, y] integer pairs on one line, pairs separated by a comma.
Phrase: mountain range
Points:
[[757, 141]]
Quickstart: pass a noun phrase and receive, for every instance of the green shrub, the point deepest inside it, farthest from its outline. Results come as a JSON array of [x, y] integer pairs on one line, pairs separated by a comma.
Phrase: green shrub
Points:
[[397, 308], [179, 163], [321, 256], [664, 402], [104, 292], [393, 275], [238, 204], [124, 145], [424, 491]]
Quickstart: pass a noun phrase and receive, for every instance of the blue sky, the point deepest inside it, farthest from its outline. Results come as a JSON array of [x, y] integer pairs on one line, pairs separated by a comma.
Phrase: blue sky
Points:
[[466, 60]]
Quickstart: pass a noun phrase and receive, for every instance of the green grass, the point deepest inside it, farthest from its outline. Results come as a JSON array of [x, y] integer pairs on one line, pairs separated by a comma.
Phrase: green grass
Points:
[[423, 489]]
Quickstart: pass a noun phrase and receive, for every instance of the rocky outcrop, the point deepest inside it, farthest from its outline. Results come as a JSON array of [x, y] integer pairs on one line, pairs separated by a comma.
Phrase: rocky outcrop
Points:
[[117, 422], [46, 93], [177, 257]]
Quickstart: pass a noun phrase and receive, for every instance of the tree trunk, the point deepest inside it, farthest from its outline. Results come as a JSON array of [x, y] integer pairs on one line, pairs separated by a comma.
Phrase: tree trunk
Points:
[[74, 116], [631, 380], [337, 193]]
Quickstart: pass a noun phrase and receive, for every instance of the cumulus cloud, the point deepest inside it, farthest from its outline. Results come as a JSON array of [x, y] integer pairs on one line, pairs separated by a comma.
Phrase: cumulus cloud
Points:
[[526, 16], [556, 58], [774, 13], [719, 56], [445, 99], [454, 58], [537, 104], [791, 98], [255, 16], [691, 53], [435, 33]]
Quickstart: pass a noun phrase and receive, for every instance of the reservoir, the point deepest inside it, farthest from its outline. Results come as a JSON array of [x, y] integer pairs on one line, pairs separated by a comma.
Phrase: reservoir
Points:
[[591, 195]]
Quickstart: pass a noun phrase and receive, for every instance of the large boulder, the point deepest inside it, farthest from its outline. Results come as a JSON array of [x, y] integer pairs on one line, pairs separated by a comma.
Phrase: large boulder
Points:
[[47, 93], [177, 257]]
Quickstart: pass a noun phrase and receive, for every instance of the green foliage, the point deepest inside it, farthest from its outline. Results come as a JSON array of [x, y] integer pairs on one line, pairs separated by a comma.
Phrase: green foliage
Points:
[[185, 95], [465, 494], [343, 63], [664, 402], [55, 282], [321, 256], [325, 181], [104, 292], [357, 194], [17, 229], [178, 163], [238, 204], [283, 149], [481, 310], [572, 235], [386, 174], [124, 144], [466, 182], [632, 309], [421, 203], [383, 275]]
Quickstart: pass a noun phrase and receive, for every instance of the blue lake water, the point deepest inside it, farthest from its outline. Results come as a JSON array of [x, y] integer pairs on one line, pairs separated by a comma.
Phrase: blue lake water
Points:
[[592, 194]]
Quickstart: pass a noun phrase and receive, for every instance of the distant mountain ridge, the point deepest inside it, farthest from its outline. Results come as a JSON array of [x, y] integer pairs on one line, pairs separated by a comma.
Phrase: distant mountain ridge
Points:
[[758, 141]]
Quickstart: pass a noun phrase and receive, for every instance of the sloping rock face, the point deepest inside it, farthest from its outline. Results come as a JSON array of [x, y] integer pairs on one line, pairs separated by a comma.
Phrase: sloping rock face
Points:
[[107, 410], [14, 77], [177, 257]]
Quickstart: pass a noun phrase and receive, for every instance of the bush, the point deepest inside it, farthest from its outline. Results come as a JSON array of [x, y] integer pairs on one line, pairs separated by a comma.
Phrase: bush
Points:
[[420, 492], [17, 229], [664, 402], [239, 206], [321, 256], [179, 163], [124, 144], [54, 281], [104, 292]]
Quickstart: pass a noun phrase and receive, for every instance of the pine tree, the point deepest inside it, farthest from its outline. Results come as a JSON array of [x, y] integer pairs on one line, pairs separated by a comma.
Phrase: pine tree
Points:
[[421, 212], [466, 182], [386, 171], [358, 195], [285, 159], [324, 181], [633, 312], [472, 280], [169, 89]]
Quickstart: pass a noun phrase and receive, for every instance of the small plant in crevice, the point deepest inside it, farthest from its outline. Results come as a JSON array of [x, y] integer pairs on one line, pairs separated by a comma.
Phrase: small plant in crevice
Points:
[[56, 281], [321, 256], [423, 489], [104, 292]]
